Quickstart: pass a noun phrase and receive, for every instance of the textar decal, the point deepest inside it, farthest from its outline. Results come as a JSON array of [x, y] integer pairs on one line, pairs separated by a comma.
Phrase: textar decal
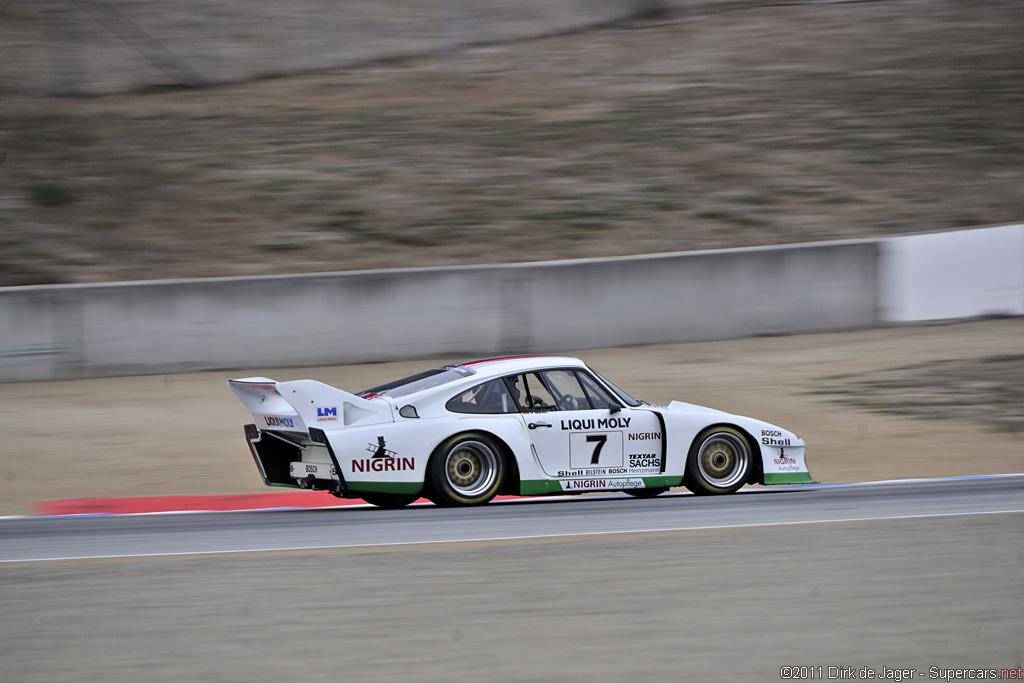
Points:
[[274, 421], [603, 423], [644, 460], [327, 414], [383, 464]]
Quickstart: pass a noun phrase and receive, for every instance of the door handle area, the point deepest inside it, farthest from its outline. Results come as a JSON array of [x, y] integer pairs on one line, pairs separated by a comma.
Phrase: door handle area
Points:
[[535, 425]]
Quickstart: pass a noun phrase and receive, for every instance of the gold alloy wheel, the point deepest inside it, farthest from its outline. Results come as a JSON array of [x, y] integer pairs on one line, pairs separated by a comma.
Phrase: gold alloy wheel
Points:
[[471, 468], [723, 460]]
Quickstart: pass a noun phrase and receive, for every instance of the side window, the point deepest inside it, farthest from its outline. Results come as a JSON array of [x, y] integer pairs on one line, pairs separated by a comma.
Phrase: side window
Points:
[[567, 390], [487, 398], [530, 394], [599, 398]]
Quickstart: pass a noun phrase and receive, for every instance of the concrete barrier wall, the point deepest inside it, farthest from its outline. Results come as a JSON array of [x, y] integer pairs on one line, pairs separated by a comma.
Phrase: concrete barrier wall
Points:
[[59, 332], [953, 274], [67, 331]]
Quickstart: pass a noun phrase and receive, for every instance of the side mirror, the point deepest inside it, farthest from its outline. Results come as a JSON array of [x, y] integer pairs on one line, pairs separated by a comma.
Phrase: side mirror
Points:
[[614, 408]]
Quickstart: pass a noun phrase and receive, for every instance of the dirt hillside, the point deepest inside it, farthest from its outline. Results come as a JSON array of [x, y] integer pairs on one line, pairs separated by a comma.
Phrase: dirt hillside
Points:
[[760, 126]]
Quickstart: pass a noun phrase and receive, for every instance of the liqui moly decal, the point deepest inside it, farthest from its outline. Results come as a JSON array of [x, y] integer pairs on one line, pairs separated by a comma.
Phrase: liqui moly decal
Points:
[[275, 421], [327, 414], [591, 423]]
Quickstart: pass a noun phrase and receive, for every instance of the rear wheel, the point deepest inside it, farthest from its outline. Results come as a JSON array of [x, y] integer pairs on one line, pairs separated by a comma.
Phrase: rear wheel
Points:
[[467, 469], [719, 462], [389, 500]]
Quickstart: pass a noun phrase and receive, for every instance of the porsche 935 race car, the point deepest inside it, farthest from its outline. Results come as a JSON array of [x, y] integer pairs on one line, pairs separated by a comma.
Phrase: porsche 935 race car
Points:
[[521, 425]]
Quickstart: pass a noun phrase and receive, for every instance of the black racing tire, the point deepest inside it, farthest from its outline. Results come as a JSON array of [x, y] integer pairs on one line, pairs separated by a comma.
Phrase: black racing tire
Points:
[[467, 469], [391, 501], [719, 462], [645, 493]]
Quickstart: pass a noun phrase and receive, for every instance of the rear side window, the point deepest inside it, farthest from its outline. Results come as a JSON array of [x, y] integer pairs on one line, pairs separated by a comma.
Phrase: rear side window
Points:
[[487, 398], [530, 393], [418, 382]]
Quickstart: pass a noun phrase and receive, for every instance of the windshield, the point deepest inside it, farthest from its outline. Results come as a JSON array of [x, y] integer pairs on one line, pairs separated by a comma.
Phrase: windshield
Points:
[[626, 398], [418, 382]]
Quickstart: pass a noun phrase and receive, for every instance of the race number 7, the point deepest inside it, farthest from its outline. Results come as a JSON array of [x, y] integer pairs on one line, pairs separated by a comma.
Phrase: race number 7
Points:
[[600, 440], [587, 449]]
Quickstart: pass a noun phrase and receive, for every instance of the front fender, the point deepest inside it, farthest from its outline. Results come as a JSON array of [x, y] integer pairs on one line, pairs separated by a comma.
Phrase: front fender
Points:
[[783, 453]]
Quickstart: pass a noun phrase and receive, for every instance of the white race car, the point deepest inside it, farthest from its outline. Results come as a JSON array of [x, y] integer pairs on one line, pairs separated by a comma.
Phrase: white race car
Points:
[[520, 425]]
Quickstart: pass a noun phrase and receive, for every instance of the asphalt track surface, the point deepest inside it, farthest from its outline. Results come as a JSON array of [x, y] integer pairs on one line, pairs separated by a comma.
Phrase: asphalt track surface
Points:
[[94, 537], [916, 575]]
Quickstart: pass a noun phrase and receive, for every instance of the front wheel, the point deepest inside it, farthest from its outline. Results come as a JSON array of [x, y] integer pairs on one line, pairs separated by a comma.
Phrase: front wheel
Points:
[[467, 469], [719, 462], [390, 501]]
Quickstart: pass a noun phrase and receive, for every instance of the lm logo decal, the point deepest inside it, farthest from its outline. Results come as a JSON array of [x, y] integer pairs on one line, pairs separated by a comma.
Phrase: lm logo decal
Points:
[[327, 414]]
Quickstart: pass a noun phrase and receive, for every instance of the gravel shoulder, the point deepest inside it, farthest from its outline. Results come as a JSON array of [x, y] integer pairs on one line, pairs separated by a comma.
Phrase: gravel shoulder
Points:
[[182, 434]]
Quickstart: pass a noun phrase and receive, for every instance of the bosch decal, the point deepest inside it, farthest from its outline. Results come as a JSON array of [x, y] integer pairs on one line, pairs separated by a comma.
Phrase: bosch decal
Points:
[[593, 473], [327, 414], [773, 437], [274, 421], [314, 469]]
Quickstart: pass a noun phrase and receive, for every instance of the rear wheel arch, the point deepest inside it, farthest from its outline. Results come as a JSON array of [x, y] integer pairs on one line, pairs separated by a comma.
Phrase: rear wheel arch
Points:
[[512, 476], [440, 488]]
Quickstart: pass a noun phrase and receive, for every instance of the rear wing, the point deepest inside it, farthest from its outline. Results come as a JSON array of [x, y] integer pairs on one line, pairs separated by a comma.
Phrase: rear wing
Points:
[[298, 405]]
